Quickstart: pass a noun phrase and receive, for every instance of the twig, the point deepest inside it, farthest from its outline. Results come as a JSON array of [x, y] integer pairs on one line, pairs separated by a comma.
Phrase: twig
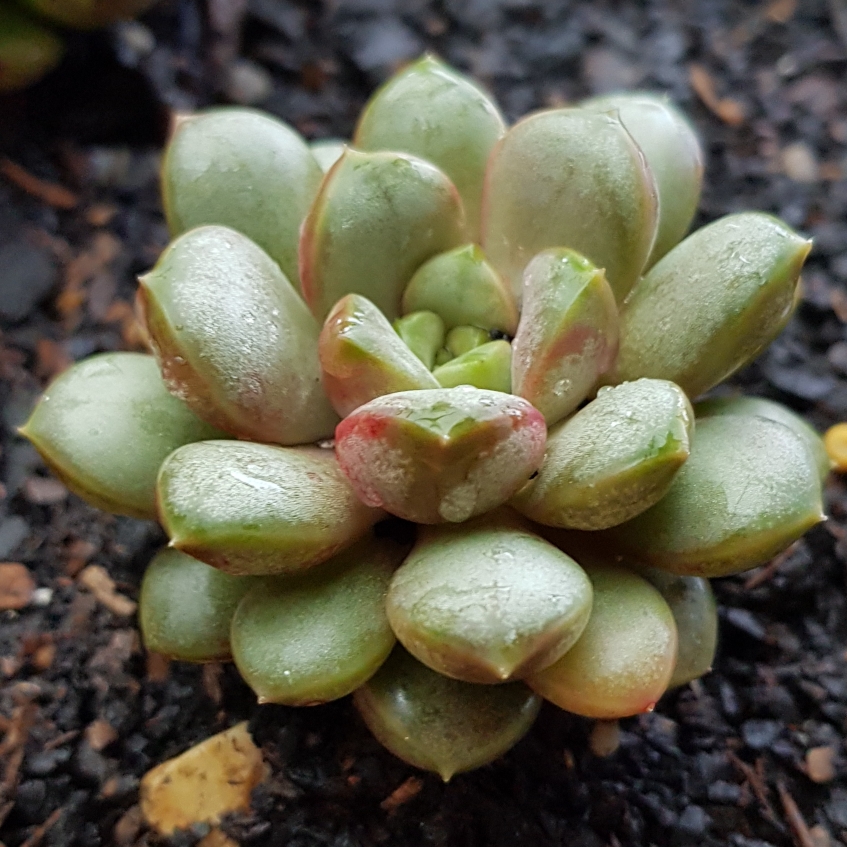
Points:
[[757, 784], [41, 830], [762, 575], [801, 833], [402, 794], [53, 195]]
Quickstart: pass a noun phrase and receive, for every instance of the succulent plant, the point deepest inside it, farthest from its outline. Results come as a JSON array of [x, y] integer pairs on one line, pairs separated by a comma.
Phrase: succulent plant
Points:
[[418, 419]]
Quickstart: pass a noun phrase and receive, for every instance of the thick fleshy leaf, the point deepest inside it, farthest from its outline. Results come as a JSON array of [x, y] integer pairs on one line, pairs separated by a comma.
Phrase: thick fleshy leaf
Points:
[[106, 425], [776, 412], [362, 357], [441, 455], [318, 636], [623, 662], [441, 724], [245, 170], [234, 339], [88, 14], [568, 332], [749, 489], [327, 151], [27, 50], [487, 366], [673, 155], [713, 303], [376, 219], [433, 112], [463, 339], [423, 333], [255, 509], [487, 603], [464, 289], [692, 604], [613, 459], [569, 178], [186, 607]]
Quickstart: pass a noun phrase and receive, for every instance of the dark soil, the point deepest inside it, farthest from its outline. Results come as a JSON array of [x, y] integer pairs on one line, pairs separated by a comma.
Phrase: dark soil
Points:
[[734, 759]]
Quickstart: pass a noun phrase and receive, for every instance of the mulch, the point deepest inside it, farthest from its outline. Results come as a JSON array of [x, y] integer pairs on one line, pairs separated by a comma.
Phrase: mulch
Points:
[[751, 755]]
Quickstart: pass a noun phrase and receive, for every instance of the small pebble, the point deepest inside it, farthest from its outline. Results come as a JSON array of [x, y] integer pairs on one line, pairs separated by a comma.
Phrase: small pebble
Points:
[[820, 764], [16, 586], [799, 163], [694, 820], [45, 762], [247, 83], [29, 275], [605, 738], [13, 531], [759, 734]]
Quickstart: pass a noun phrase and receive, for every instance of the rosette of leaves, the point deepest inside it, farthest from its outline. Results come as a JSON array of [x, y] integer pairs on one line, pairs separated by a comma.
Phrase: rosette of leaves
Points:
[[418, 418]]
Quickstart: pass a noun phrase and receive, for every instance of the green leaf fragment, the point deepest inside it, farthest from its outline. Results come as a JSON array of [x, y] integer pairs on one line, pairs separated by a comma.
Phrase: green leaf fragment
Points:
[[465, 290], [746, 406], [28, 50], [568, 333], [440, 455], [463, 339], [362, 357], [106, 425], [88, 14], [433, 112], [235, 340], [376, 219], [486, 603], [423, 333], [327, 152], [613, 459], [488, 366], [749, 489], [316, 637], [443, 356], [713, 303], [693, 606], [255, 509], [569, 178], [673, 154], [623, 662], [441, 724], [245, 170], [186, 607]]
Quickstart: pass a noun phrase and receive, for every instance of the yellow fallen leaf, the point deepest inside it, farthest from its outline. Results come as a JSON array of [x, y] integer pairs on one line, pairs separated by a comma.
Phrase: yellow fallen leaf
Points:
[[203, 784]]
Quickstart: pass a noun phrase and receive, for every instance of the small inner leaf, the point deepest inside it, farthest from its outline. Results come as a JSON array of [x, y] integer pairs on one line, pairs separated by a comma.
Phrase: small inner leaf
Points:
[[568, 333], [363, 357]]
